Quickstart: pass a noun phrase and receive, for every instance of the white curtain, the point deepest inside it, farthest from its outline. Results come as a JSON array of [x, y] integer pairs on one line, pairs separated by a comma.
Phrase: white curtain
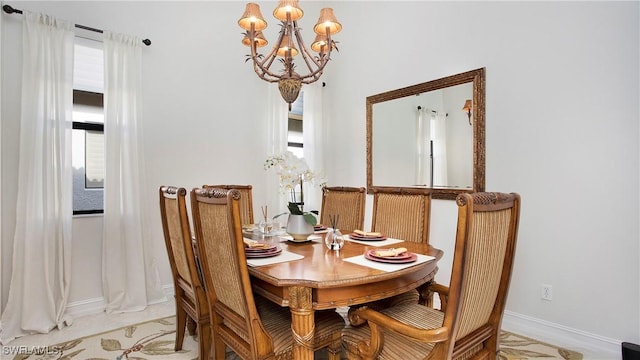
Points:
[[431, 148], [313, 138], [439, 136], [40, 278], [129, 275], [422, 149], [313, 133], [277, 127]]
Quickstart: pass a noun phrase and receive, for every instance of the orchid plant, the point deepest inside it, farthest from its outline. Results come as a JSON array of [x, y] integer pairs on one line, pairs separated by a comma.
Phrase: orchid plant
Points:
[[293, 173]]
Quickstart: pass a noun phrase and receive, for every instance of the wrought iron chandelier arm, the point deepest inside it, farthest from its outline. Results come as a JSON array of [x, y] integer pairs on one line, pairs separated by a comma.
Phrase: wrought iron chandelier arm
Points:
[[314, 75], [259, 67], [307, 55], [263, 72], [264, 75], [311, 78], [274, 51]]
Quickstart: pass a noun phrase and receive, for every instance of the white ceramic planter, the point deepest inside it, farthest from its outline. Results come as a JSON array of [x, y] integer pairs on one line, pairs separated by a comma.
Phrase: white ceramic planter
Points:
[[298, 228]]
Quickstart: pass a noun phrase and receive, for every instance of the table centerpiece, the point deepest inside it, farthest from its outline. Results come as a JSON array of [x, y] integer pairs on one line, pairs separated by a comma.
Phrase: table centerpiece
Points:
[[293, 172]]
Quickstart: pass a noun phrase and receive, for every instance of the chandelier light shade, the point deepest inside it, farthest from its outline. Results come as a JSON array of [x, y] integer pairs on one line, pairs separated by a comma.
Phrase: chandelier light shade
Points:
[[290, 7], [285, 46], [259, 40], [320, 44], [288, 45], [327, 23], [252, 16]]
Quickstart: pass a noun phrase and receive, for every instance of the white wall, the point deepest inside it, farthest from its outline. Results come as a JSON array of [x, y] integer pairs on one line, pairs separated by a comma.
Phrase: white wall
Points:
[[562, 126], [561, 129]]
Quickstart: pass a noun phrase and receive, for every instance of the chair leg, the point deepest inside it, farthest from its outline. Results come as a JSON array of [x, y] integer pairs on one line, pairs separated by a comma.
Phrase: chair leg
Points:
[[191, 326], [181, 322], [334, 350], [204, 340], [219, 349]]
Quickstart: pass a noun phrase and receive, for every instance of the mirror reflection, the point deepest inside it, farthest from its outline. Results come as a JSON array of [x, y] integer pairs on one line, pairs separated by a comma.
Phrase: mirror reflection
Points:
[[431, 146], [429, 135]]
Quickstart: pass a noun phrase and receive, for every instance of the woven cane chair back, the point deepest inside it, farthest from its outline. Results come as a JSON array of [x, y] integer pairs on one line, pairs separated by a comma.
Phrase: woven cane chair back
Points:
[[402, 214], [246, 200], [346, 202], [191, 301]]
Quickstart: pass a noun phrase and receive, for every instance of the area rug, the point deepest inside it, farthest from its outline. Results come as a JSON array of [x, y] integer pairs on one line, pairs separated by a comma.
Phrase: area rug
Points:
[[155, 340], [515, 347]]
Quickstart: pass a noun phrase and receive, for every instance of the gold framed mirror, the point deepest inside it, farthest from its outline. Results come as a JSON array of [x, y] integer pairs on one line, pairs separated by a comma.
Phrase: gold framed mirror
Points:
[[429, 136]]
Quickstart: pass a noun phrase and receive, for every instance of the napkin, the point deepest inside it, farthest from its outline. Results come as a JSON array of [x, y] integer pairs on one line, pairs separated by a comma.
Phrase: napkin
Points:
[[389, 252], [367, 234], [253, 243]]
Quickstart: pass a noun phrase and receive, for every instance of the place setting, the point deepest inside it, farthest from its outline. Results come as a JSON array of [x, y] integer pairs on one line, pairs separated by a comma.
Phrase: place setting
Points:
[[260, 253], [320, 229], [256, 249], [367, 236], [371, 238], [391, 256], [390, 259]]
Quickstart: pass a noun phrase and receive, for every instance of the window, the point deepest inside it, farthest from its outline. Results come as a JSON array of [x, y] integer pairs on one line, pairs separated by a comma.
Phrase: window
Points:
[[294, 134], [88, 128]]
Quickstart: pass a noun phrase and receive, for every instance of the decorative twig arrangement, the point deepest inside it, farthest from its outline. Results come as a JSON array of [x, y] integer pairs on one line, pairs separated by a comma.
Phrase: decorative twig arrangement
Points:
[[334, 221], [334, 239]]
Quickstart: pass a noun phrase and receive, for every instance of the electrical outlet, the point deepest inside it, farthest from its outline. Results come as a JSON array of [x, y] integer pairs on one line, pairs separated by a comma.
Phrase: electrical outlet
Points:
[[546, 292]]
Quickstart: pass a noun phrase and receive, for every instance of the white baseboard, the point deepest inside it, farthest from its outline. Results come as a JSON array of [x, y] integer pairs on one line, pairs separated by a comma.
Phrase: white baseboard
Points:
[[168, 289], [86, 307], [591, 345], [97, 305]]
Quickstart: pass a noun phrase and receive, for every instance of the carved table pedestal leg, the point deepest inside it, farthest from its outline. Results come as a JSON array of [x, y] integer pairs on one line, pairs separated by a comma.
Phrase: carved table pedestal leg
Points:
[[302, 320]]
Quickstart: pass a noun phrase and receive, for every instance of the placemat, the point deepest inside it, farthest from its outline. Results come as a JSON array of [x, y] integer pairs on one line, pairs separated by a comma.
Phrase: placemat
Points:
[[283, 257], [360, 260]]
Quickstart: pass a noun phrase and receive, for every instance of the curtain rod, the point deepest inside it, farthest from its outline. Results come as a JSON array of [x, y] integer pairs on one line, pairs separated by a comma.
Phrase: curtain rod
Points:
[[433, 111], [10, 10]]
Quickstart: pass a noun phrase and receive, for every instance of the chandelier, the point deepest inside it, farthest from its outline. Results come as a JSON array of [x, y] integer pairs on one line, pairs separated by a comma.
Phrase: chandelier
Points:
[[288, 46]]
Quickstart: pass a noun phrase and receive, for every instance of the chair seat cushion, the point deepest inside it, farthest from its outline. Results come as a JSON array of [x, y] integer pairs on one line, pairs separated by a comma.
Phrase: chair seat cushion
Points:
[[277, 322], [409, 297], [397, 346]]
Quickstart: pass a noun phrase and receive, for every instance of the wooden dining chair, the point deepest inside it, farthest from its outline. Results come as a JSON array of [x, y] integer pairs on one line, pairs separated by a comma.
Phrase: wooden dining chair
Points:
[[402, 213], [468, 327], [246, 202], [252, 326], [346, 202], [191, 302]]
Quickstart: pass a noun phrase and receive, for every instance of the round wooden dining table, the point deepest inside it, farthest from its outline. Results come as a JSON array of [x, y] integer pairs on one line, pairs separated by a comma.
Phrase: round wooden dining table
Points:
[[327, 279]]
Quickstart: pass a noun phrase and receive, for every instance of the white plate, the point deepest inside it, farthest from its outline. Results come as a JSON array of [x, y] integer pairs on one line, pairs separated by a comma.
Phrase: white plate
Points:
[[310, 238]]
